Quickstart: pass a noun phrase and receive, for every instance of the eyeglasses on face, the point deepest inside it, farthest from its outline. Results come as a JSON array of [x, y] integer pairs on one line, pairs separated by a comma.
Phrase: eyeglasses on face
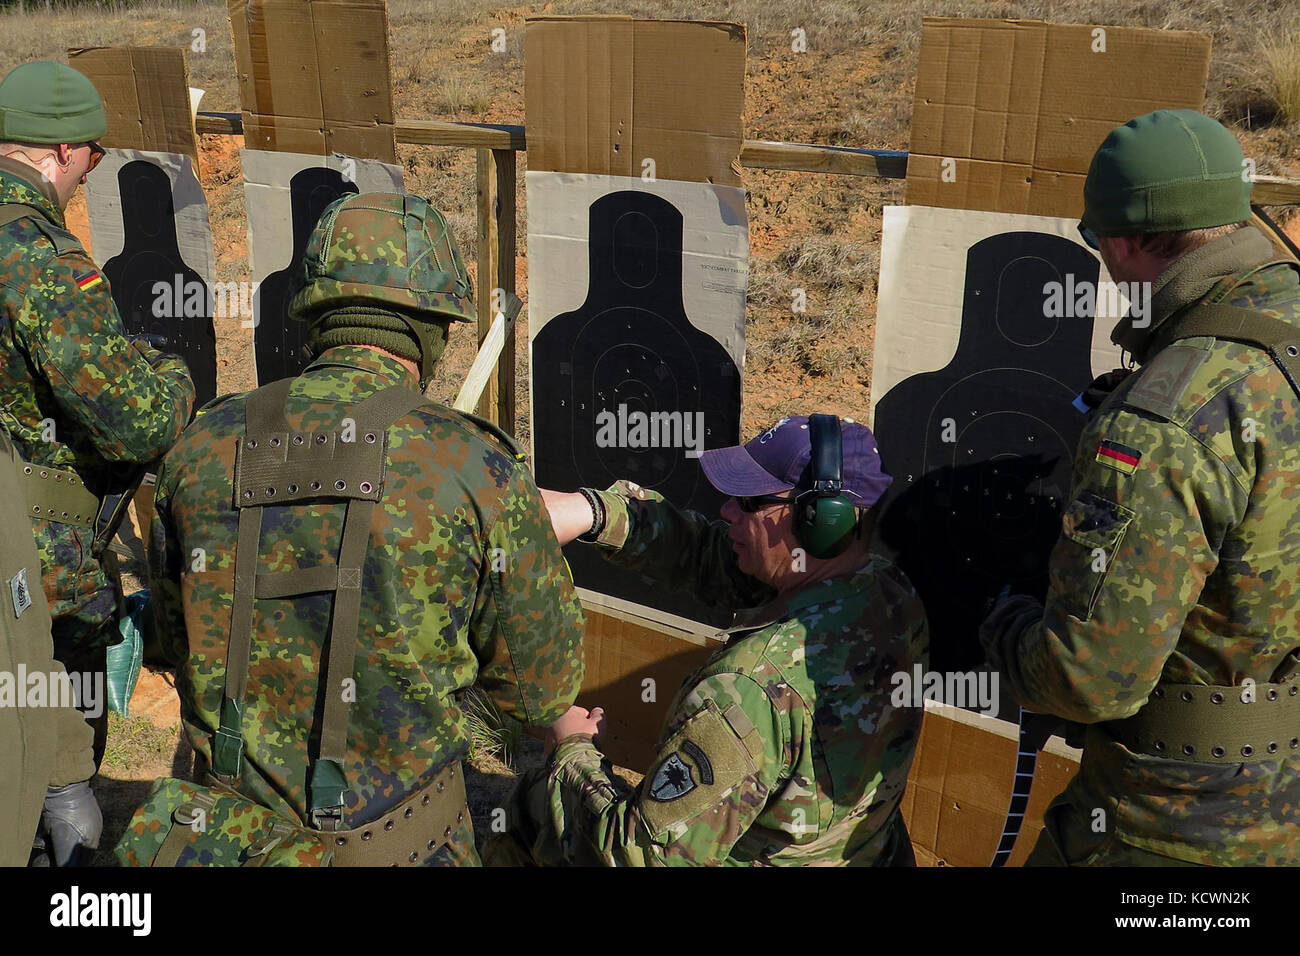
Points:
[[97, 154], [751, 504]]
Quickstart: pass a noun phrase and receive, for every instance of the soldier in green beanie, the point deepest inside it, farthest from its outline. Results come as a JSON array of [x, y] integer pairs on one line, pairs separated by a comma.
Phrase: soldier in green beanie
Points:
[[1172, 622], [82, 404], [399, 553]]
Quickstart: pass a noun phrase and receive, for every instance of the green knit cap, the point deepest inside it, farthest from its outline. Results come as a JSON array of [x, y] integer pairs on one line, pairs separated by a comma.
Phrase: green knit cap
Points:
[[1165, 172], [47, 102]]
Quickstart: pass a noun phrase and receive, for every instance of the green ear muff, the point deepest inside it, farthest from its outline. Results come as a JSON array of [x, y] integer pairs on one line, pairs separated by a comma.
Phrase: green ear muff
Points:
[[825, 519]]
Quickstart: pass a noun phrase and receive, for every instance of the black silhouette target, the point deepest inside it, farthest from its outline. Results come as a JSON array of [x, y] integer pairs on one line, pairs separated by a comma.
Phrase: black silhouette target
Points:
[[631, 346], [982, 450], [180, 316], [277, 342]]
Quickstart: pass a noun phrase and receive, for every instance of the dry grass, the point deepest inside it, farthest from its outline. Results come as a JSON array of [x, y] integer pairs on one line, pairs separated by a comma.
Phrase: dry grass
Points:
[[1280, 53]]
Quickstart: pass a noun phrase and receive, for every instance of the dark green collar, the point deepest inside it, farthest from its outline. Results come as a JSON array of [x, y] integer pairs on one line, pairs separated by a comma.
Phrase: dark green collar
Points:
[[1212, 271], [21, 184]]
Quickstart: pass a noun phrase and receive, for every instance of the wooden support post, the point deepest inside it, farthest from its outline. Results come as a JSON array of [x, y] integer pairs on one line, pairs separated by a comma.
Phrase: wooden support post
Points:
[[496, 270]]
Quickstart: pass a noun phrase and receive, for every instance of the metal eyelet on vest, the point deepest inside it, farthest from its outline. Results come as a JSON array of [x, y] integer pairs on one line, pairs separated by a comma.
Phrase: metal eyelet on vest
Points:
[[321, 439], [275, 443], [451, 772], [293, 489], [414, 856], [1272, 694], [1188, 749], [1292, 351], [1218, 751], [1294, 690], [340, 485], [341, 841], [36, 509], [1186, 695], [248, 494], [1272, 747], [1216, 698], [315, 486], [1295, 742], [388, 824], [447, 832], [65, 514], [432, 844], [1247, 750], [1158, 692], [297, 439], [441, 786], [252, 443], [58, 477], [366, 835], [424, 800], [408, 813], [45, 474], [370, 438], [366, 487], [270, 492], [27, 470]]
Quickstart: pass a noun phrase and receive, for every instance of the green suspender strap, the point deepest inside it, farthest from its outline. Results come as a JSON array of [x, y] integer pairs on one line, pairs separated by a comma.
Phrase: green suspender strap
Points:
[[1280, 339], [13, 211], [275, 465]]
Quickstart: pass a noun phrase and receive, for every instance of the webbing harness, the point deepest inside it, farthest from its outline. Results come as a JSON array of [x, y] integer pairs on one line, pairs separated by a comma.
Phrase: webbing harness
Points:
[[1212, 723], [275, 465]]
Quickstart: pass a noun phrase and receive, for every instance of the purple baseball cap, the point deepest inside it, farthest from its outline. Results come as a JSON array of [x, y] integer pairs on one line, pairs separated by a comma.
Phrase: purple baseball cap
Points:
[[778, 461]]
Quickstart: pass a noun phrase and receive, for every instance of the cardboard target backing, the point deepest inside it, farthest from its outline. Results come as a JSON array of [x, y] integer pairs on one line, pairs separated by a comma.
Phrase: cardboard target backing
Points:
[[285, 195], [638, 254], [972, 405], [152, 239], [636, 310]]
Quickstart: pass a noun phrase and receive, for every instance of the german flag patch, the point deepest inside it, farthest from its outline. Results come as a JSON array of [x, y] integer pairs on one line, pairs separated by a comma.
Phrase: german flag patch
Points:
[[1120, 457], [89, 281]]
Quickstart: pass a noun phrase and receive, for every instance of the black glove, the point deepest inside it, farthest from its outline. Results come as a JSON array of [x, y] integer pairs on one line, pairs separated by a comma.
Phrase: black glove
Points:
[[71, 823], [1011, 613]]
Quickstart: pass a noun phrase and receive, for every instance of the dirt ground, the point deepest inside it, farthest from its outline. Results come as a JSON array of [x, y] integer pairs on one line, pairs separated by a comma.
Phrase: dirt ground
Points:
[[852, 87]]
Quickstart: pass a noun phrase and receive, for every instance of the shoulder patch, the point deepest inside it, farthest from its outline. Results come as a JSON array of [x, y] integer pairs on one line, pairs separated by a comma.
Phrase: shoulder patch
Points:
[[1160, 385], [1122, 458], [702, 764], [88, 280]]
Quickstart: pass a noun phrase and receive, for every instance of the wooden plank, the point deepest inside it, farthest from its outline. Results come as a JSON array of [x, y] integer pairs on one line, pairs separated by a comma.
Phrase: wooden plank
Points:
[[764, 154], [478, 135], [755, 154], [634, 672], [1275, 191], [496, 270]]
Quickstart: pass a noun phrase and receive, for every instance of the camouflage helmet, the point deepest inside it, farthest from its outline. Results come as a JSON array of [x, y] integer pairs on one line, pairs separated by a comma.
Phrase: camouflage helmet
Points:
[[385, 251]]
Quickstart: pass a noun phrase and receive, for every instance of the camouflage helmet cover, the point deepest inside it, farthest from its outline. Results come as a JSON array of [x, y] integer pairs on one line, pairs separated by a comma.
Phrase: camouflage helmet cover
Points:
[[383, 249]]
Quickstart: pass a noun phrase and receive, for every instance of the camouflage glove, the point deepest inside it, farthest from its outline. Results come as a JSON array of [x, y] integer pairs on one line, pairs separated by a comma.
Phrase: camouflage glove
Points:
[[1009, 616], [71, 823]]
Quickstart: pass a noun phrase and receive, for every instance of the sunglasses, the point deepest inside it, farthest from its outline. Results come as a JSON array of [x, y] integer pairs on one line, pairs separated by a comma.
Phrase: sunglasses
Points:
[[97, 154], [750, 505], [1089, 237]]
